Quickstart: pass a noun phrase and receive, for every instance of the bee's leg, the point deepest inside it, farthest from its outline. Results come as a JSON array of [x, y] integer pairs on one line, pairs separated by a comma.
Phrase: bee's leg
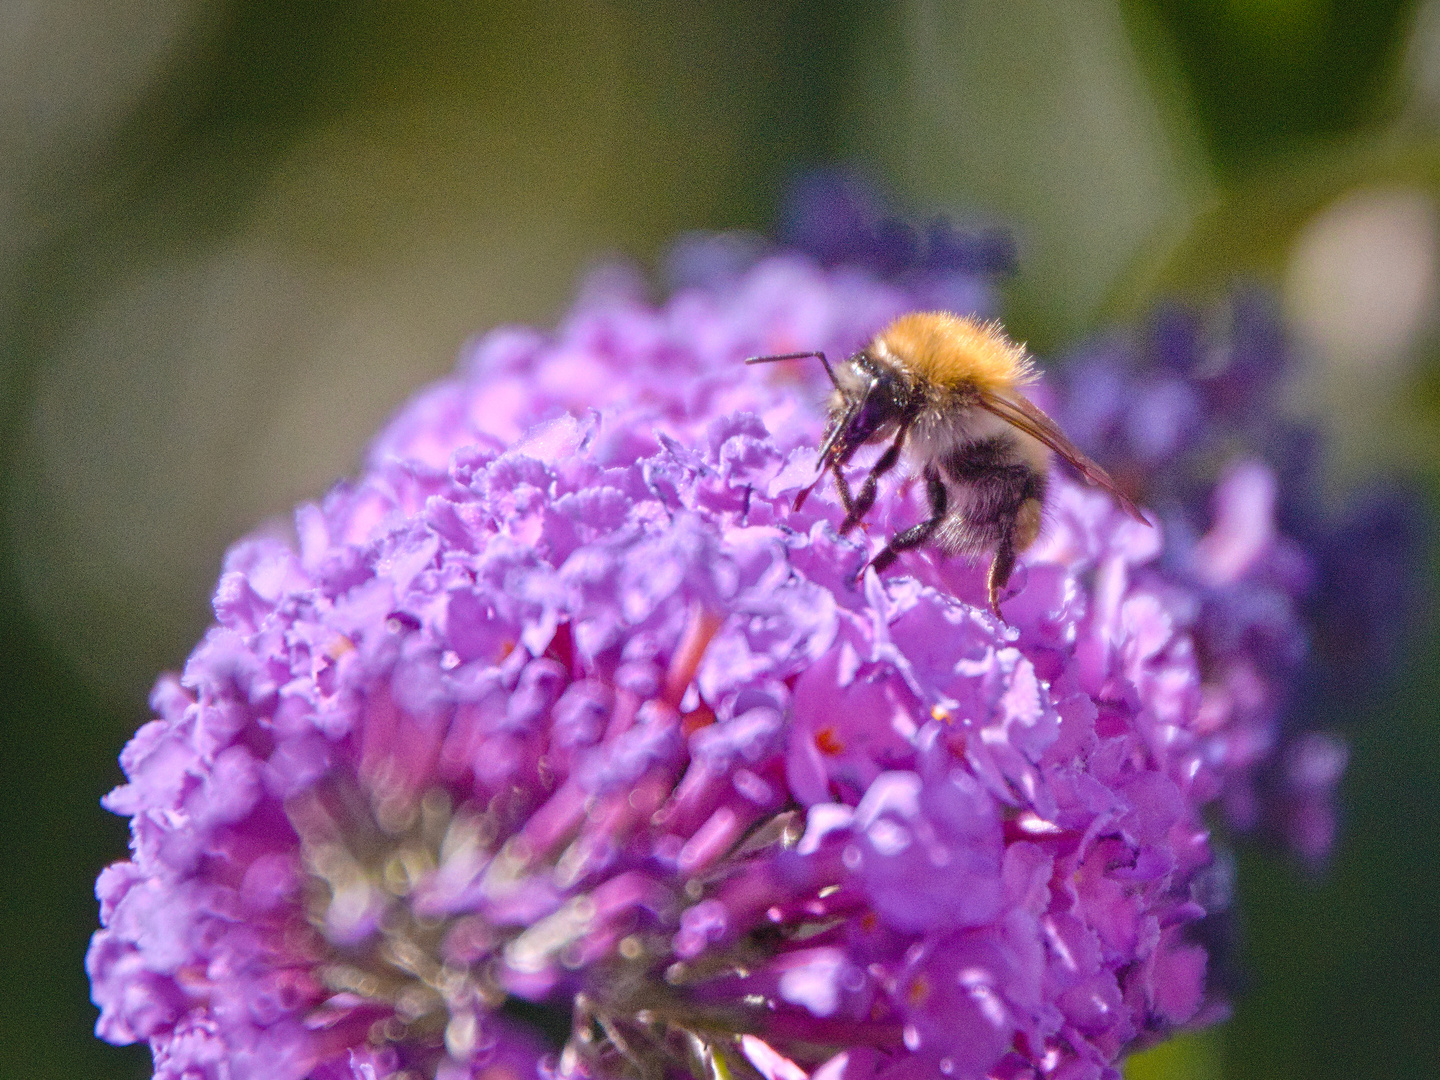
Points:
[[1019, 525], [842, 488], [857, 509], [1000, 568], [916, 534]]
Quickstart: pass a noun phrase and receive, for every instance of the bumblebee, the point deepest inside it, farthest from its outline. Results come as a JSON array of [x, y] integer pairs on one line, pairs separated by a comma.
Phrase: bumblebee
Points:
[[945, 392]]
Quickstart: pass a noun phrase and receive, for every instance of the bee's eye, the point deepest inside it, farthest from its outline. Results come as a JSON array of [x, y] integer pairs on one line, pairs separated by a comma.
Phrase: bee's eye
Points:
[[872, 415]]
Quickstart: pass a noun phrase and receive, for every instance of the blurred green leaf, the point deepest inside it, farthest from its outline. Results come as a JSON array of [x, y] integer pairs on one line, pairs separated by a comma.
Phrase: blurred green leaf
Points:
[[1191, 1056], [1270, 77], [1043, 115], [1341, 969], [1246, 230]]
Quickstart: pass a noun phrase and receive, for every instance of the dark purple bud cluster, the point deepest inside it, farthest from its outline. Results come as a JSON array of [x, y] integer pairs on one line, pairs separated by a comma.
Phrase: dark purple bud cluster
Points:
[[1301, 623]]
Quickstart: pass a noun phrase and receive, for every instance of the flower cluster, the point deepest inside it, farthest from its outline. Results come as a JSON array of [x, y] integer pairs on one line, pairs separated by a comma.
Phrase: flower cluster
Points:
[[564, 701], [1312, 606]]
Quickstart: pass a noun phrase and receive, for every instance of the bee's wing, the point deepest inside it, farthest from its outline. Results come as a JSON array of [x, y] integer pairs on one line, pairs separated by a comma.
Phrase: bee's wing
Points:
[[1026, 415]]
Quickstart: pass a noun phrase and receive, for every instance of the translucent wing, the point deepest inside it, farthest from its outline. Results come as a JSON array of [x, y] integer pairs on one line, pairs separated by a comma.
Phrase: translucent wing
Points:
[[1026, 415]]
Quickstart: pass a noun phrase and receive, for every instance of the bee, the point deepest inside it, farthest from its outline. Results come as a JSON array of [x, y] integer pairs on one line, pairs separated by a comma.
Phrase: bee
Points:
[[945, 391]]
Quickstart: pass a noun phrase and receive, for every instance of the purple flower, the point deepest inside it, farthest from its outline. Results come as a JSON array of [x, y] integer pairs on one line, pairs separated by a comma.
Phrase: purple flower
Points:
[[563, 703], [1301, 612]]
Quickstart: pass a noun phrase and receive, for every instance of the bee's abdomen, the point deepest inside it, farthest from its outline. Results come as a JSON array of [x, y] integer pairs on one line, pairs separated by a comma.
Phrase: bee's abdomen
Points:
[[998, 492], [983, 460]]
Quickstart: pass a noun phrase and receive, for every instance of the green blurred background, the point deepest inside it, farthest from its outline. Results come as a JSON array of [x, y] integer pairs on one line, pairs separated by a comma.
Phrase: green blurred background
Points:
[[233, 237]]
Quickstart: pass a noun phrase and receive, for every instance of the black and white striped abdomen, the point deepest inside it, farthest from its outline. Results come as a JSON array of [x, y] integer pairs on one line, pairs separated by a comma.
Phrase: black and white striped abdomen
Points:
[[995, 491]]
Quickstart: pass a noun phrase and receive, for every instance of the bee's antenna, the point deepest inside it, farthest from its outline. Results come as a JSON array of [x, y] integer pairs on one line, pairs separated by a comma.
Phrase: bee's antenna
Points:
[[797, 356]]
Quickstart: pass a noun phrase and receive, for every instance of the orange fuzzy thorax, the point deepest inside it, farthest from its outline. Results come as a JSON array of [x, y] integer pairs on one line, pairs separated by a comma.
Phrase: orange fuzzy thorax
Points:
[[949, 349]]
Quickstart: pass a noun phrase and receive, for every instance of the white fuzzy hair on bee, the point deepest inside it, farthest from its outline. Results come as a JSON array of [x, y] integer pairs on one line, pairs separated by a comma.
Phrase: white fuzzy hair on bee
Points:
[[945, 391]]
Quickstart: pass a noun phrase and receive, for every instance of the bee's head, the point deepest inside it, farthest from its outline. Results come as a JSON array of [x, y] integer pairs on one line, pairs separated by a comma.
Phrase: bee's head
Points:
[[874, 396], [872, 399]]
